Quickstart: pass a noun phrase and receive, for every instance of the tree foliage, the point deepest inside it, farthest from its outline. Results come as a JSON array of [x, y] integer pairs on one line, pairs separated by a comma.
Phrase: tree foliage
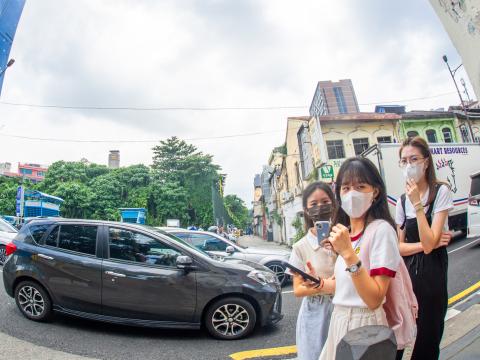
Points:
[[178, 185]]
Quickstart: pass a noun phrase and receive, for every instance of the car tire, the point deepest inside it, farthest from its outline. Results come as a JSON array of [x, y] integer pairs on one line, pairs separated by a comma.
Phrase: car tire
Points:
[[3, 254], [230, 318], [33, 301], [279, 269]]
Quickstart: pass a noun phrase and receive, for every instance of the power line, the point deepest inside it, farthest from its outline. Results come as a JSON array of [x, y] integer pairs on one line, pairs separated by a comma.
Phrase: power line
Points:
[[197, 108], [135, 141]]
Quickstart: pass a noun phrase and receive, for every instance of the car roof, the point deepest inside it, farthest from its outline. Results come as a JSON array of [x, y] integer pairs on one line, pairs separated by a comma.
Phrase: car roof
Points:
[[54, 220]]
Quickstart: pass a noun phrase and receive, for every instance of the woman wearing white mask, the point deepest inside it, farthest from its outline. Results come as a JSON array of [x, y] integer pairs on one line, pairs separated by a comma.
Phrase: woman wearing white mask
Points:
[[421, 217], [360, 287]]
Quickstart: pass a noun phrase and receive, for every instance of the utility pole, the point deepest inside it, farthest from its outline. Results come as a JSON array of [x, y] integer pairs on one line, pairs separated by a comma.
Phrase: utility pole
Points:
[[452, 74]]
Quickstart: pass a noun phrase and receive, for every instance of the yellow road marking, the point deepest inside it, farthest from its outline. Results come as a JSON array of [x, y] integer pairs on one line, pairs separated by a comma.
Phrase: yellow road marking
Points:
[[288, 350], [251, 354], [464, 293]]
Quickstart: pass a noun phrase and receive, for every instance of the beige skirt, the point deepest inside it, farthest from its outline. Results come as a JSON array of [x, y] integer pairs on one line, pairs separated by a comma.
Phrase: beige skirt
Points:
[[345, 319]]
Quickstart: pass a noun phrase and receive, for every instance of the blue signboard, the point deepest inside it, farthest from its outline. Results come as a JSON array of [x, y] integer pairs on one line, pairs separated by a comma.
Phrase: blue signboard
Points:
[[10, 11], [19, 201]]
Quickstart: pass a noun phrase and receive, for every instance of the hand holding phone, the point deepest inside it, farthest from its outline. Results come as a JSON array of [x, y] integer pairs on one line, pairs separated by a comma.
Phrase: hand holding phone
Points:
[[303, 274]]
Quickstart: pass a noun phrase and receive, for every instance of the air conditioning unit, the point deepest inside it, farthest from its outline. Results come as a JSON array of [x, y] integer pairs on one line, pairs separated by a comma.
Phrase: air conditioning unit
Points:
[[286, 196]]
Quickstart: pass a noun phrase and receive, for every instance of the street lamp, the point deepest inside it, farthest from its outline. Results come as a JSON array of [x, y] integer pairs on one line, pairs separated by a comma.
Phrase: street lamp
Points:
[[452, 74], [10, 63]]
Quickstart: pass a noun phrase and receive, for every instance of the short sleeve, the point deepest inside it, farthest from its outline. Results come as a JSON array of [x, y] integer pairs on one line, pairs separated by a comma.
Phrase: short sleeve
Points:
[[296, 260], [384, 253], [399, 213], [444, 200]]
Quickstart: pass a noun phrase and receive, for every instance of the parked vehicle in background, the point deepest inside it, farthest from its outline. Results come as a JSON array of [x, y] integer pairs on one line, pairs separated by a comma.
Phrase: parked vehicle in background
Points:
[[454, 163], [7, 233], [135, 275], [474, 206], [219, 246]]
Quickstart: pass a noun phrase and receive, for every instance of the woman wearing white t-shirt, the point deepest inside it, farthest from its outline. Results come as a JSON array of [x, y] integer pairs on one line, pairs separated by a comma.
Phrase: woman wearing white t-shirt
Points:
[[314, 315], [360, 287], [426, 204]]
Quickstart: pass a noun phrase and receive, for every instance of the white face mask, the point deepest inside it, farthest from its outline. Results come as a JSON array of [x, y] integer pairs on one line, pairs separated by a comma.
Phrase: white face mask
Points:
[[356, 203], [414, 172]]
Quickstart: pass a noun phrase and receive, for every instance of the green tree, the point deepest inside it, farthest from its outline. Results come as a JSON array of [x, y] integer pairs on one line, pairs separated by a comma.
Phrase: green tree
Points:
[[8, 192], [237, 211]]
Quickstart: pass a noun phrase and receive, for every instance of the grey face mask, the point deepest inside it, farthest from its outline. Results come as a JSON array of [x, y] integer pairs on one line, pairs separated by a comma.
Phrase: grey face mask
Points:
[[321, 212]]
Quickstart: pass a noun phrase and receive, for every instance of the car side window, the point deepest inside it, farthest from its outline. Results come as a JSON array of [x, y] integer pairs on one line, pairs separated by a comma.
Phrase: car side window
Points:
[[133, 246], [37, 231], [52, 238], [78, 238], [208, 243]]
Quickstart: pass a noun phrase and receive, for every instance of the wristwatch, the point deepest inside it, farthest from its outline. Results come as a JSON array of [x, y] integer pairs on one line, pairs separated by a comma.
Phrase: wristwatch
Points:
[[355, 268]]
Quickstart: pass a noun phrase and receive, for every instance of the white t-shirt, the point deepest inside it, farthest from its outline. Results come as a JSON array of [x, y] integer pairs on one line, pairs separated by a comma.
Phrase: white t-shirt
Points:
[[444, 201], [384, 260], [307, 249]]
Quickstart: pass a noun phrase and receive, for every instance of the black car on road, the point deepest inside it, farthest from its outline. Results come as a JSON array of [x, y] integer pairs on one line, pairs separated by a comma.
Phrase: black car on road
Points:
[[135, 275]]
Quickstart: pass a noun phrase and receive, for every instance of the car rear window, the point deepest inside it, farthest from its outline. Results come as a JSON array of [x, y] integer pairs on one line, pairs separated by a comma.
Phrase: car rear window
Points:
[[475, 186], [78, 238]]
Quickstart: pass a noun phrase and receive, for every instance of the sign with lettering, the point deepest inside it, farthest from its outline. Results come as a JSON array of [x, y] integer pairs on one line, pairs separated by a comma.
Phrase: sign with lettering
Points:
[[326, 172]]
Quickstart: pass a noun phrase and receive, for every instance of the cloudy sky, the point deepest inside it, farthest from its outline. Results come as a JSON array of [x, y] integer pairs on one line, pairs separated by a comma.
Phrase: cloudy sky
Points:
[[207, 53]]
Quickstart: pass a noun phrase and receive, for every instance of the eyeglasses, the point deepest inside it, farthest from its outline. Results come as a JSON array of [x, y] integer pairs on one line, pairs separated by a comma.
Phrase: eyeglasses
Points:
[[411, 160]]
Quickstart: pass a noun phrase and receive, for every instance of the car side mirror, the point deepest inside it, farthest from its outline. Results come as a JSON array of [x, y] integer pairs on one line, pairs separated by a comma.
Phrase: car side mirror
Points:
[[184, 262], [230, 250]]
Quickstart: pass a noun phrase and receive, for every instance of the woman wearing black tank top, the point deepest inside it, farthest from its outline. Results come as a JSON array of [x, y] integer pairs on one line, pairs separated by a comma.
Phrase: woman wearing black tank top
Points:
[[422, 222]]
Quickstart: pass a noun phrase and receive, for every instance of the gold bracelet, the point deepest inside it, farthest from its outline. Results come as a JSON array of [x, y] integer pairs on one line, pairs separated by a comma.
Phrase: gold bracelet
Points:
[[419, 208]]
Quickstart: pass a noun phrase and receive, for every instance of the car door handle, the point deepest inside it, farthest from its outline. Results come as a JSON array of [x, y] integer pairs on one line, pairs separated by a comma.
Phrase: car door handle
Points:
[[111, 273], [46, 257]]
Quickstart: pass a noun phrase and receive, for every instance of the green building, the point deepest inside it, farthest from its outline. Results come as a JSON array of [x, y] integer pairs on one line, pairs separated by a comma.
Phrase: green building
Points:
[[434, 126]]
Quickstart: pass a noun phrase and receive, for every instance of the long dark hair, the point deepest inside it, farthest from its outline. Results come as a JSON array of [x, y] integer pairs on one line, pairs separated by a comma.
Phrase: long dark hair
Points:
[[309, 190], [361, 170], [430, 175]]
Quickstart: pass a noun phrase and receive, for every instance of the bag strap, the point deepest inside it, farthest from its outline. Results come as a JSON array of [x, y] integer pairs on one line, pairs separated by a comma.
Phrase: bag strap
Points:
[[402, 201], [432, 203]]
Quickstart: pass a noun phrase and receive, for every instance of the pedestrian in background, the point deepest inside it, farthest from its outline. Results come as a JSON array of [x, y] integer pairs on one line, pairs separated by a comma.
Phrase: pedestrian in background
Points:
[[422, 219], [314, 315], [362, 273]]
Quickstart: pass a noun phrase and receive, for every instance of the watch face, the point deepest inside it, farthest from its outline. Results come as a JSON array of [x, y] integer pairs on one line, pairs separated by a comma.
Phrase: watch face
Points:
[[354, 268]]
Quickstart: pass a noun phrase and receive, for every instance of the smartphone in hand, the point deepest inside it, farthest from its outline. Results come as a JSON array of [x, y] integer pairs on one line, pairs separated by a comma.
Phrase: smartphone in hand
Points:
[[323, 231]]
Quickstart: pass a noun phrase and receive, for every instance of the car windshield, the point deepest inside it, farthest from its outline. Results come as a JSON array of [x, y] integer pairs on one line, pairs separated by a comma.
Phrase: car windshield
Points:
[[177, 239], [6, 227]]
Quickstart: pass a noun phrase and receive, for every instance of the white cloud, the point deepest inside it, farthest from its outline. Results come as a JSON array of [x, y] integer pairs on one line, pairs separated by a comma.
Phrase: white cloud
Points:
[[207, 53]]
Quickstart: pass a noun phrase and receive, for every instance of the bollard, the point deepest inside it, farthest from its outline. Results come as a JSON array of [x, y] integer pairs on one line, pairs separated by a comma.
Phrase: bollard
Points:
[[371, 342]]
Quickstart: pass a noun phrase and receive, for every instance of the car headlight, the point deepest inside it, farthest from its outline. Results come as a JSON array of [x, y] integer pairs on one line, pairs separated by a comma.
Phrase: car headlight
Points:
[[263, 277]]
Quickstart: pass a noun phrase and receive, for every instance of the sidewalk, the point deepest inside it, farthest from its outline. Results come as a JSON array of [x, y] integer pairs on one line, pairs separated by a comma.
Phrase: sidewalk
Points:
[[256, 241]]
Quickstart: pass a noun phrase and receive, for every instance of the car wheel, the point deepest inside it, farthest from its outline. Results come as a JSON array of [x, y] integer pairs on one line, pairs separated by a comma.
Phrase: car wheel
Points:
[[3, 254], [33, 301], [279, 271], [230, 319]]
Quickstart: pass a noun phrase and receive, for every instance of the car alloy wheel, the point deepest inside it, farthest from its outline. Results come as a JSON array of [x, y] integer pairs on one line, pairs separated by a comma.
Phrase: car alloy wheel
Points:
[[279, 271], [33, 301], [3, 254], [230, 318]]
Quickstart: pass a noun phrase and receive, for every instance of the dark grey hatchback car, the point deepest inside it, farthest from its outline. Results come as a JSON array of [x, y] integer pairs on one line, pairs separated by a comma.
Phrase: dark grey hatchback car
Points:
[[135, 275]]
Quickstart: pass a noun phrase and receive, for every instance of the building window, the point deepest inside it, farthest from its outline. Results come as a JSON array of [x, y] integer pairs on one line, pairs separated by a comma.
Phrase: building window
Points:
[[26, 171], [384, 139], [360, 145], [447, 135], [335, 149], [431, 136], [412, 134], [342, 107], [464, 132]]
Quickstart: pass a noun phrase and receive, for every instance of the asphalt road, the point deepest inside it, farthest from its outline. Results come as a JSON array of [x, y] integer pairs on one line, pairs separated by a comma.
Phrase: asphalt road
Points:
[[107, 341]]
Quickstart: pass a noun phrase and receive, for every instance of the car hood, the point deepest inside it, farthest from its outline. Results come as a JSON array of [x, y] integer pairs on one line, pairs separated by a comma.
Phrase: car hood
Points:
[[242, 264], [262, 251]]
